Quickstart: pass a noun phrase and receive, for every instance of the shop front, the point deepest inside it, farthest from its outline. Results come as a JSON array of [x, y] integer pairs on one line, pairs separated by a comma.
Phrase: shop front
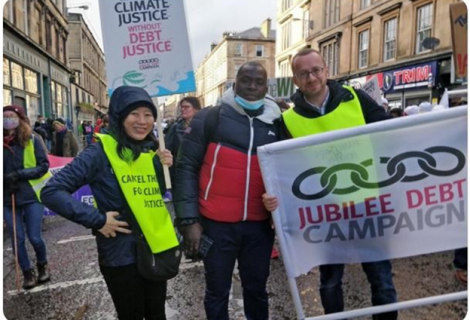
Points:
[[33, 80]]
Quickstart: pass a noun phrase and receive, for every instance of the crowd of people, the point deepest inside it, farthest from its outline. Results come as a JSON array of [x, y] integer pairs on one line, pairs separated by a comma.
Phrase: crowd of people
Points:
[[218, 189]]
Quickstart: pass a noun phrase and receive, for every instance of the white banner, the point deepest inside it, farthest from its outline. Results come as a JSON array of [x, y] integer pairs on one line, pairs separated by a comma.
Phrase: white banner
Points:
[[386, 190], [146, 45]]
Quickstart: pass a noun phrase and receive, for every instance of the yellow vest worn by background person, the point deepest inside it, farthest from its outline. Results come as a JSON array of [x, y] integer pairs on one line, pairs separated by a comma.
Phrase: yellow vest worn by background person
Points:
[[139, 184], [346, 115], [29, 161]]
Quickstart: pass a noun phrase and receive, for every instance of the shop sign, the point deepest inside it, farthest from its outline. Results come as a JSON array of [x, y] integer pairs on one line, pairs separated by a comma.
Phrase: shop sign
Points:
[[417, 76]]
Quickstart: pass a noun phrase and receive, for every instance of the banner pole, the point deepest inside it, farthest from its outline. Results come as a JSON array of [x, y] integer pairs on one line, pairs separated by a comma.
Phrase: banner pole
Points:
[[294, 289]]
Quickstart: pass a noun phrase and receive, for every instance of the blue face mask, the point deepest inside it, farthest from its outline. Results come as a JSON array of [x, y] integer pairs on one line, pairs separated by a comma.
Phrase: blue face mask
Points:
[[249, 105]]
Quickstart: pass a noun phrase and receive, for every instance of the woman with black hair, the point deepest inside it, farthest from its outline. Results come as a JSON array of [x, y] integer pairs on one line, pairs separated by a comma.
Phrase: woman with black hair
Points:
[[127, 182], [188, 106], [25, 169]]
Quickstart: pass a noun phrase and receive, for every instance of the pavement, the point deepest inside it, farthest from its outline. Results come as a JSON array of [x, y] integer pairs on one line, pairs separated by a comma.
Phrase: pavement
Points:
[[77, 290]]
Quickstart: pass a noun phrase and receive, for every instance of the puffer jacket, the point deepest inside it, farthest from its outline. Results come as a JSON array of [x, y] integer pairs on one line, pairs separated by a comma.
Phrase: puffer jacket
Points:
[[217, 170], [92, 167], [13, 160], [172, 142]]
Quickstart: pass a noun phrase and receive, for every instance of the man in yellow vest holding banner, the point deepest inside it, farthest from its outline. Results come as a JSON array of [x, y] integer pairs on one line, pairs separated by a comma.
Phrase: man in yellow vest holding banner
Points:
[[323, 105]]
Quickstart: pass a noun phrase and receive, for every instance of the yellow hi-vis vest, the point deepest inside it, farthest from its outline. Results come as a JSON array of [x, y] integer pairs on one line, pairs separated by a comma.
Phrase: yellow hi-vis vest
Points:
[[346, 115], [29, 161], [139, 184]]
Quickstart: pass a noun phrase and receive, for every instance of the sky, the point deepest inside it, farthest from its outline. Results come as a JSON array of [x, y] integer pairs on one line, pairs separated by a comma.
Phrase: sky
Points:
[[207, 20]]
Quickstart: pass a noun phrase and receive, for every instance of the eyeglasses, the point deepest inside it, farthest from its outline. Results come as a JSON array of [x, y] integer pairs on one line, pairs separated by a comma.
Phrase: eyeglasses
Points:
[[186, 107], [305, 74]]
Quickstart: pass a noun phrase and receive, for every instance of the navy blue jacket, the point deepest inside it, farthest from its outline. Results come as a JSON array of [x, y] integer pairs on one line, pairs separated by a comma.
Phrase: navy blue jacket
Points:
[[13, 160], [92, 167]]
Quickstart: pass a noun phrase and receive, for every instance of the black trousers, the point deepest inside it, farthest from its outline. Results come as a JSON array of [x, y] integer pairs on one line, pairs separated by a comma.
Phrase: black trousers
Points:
[[134, 297]]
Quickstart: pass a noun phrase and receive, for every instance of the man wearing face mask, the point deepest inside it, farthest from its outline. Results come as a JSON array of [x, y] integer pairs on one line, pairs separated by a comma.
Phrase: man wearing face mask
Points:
[[218, 192]]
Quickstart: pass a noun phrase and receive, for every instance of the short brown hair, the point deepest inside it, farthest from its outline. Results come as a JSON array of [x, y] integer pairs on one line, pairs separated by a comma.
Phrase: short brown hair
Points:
[[305, 52], [193, 101]]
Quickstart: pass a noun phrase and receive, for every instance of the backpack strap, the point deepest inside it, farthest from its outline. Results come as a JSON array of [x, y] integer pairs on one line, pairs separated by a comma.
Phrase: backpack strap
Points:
[[211, 122]]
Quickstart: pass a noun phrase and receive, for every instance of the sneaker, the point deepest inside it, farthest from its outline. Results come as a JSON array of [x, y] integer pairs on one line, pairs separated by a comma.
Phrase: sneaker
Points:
[[43, 273], [274, 254], [461, 275], [30, 280]]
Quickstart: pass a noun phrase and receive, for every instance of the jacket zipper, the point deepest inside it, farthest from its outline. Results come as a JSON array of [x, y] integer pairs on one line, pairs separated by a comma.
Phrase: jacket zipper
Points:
[[247, 187], [206, 195]]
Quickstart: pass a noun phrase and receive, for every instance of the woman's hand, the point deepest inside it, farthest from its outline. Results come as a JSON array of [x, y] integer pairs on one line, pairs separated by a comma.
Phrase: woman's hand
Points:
[[112, 225], [270, 202], [166, 158]]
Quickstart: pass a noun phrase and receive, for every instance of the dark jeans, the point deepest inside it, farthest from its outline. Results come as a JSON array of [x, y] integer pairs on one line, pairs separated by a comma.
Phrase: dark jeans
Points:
[[460, 259], [379, 275], [134, 297], [250, 243], [28, 216]]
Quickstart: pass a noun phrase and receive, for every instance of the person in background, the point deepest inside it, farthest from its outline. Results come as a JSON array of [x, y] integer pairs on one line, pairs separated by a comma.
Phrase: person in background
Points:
[[105, 125], [323, 105], [64, 143], [396, 112], [25, 166], [97, 129], [411, 110], [87, 133], [385, 104], [46, 125], [282, 105], [189, 106], [103, 165], [219, 188], [40, 131]]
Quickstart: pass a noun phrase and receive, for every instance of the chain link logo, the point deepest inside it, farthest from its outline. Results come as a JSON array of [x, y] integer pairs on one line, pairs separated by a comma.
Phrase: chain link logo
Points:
[[396, 169]]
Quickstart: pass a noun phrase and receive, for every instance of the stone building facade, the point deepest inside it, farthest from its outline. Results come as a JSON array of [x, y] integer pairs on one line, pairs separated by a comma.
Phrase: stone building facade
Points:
[[35, 72], [406, 44]]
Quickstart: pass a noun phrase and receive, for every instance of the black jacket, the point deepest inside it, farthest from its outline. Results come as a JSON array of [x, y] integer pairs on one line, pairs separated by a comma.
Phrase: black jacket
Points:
[[371, 110], [13, 160], [92, 167], [172, 142], [230, 130]]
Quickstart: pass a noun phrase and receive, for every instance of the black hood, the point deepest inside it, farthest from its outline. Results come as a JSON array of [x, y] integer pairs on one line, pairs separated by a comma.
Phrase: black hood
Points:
[[125, 99]]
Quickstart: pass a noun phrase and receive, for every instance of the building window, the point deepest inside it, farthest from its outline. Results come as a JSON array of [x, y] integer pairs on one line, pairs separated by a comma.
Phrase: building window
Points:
[[48, 36], [390, 39], [7, 97], [237, 67], [330, 54], [259, 50], [238, 50], [31, 81], [364, 4], [17, 79], [285, 69], [423, 26], [286, 4], [6, 72], [331, 12], [363, 48], [286, 35], [306, 24]]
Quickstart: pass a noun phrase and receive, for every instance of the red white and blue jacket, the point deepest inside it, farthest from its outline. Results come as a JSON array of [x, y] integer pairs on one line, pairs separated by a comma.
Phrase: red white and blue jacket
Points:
[[217, 170]]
